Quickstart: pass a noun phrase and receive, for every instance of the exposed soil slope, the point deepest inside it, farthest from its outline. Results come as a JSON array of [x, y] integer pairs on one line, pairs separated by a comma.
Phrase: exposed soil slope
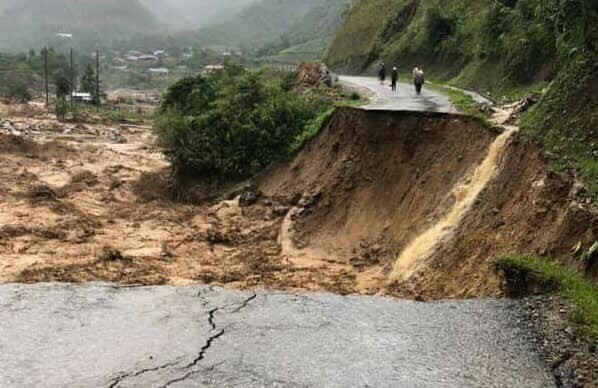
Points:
[[374, 181], [373, 177]]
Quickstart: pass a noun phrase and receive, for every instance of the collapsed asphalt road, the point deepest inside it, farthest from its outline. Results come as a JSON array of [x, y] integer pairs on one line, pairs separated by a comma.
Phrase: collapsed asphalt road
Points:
[[100, 335], [383, 98]]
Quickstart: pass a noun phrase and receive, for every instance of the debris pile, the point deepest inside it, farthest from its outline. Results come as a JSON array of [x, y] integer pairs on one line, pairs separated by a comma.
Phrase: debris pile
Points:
[[313, 74]]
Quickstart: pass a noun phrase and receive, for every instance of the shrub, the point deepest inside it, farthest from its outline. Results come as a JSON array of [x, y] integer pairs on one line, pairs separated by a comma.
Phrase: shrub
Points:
[[311, 130], [18, 90], [61, 108], [231, 125]]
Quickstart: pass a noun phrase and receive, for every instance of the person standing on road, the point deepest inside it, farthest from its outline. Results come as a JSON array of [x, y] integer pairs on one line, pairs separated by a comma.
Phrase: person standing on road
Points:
[[418, 79], [382, 73], [395, 78]]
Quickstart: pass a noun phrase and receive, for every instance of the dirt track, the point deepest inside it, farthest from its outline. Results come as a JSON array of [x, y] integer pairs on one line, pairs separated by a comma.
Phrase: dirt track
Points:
[[84, 202]]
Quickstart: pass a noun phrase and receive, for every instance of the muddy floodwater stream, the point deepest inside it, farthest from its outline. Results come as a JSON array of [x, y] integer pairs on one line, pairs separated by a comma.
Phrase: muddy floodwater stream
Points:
[[101, 335]]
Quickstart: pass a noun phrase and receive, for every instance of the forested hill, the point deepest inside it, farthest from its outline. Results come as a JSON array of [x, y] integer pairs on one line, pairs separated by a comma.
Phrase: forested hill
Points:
[[32, 23], [523, 40], [502, 47], [278, 23], [193, 14], [320, 22]]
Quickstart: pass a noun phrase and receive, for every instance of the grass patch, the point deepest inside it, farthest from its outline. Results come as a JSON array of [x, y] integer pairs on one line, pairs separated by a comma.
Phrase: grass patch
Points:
[[310, 130], [312, 50], [565, 121], [108, 115], [463, 102], [125, 116], [564, 281]]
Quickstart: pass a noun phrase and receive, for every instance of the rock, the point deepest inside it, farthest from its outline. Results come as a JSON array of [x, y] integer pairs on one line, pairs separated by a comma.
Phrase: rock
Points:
[[7, 125], [249, 196], [576, 248], [591, 255], [215, 236], [117, 138], [281, 211], [486, 108], [310, 201], [295, 198], [525, 103]]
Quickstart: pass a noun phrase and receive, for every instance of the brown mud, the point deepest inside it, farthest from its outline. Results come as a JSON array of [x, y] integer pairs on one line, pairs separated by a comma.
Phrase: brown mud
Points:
[[88, 202]]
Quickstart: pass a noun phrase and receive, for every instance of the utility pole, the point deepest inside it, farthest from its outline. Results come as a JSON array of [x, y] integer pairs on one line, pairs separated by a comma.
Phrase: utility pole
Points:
[[46, 75], [72, 81], [98, 78]]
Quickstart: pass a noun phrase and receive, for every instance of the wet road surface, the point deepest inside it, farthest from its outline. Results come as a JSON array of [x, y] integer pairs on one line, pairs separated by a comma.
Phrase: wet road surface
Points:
[[383, 98], [99, 335]]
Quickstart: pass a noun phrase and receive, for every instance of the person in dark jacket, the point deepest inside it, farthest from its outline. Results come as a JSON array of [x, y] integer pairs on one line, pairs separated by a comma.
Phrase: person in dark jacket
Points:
[[382, 73], [418, 79], [394, 78]]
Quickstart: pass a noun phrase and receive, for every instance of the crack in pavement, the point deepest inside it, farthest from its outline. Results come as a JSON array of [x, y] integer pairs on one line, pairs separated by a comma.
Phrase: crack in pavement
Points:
[[210, 340], [120, 379], [200, 356], [245, 303], [205, 348], [211, 317], [191, 373]]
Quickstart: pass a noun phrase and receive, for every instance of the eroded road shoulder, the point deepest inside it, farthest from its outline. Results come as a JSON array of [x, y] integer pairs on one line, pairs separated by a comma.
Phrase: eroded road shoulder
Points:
[[106, 336]]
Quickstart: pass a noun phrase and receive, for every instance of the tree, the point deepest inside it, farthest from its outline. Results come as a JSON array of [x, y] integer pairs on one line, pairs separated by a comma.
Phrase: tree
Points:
[[63, 85], [230, 125], [61, 109], [18, 91], [89, 85]]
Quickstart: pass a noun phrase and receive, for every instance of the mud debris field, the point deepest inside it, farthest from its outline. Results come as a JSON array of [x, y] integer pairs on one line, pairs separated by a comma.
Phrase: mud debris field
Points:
[[83, 202]]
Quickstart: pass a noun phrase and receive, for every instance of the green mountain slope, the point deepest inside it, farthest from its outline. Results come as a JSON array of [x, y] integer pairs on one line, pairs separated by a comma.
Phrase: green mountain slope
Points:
[[32, 23], [320, 22], [274, 25], [258, 24], [503, 47], [193, 14]]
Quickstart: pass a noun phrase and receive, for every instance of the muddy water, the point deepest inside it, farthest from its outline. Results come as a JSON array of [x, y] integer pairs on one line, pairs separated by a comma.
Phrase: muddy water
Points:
[[99, 335], [465, 195]]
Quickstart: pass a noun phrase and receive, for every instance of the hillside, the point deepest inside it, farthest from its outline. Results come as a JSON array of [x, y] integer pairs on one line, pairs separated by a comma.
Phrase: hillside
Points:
[[33, 23], [193, 14], [320, 22], [271, 26], [503, 48]]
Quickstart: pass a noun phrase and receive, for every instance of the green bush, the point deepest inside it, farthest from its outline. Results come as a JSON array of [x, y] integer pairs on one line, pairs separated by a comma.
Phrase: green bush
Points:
[[311, 129], [17, 90], [231, 125], [61, 108]]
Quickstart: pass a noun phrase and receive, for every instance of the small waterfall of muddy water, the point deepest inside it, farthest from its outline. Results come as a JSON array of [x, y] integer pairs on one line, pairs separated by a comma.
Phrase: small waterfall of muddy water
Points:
[[465, 193]]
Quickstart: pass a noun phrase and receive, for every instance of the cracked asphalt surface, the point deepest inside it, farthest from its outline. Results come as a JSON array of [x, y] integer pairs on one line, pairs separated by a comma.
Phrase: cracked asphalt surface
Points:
[[101, 335]]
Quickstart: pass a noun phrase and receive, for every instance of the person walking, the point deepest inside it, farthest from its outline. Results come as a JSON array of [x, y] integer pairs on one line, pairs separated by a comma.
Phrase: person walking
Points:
[[382, 73], [394, 78], [418, 79]]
